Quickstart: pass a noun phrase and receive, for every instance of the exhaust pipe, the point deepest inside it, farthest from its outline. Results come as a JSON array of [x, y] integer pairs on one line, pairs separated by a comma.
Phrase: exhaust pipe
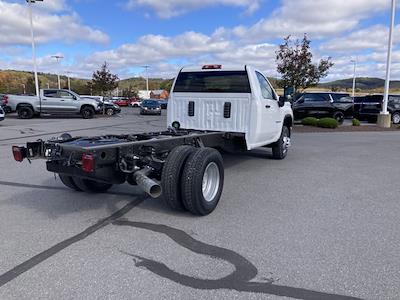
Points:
[[148, 185]]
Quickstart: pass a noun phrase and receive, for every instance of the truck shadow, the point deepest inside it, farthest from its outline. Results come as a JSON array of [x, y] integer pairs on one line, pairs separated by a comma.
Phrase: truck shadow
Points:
[[55, 201], [241, 279]]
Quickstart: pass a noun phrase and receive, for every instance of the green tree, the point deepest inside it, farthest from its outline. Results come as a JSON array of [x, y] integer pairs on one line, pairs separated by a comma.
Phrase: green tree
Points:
[[167, 84], [103, 81], [294, 63]]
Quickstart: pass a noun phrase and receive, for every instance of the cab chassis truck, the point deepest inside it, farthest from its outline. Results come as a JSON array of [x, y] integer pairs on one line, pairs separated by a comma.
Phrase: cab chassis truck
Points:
[[211, 108]]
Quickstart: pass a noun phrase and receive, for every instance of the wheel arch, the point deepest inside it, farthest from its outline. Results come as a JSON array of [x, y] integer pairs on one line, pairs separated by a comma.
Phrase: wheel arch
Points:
[[87, 105], [24, 105]]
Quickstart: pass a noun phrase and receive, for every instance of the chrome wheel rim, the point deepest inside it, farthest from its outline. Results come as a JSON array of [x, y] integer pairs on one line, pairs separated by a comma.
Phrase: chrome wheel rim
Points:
[[396, 119], [286, 142], [211, 178], [110, 112]]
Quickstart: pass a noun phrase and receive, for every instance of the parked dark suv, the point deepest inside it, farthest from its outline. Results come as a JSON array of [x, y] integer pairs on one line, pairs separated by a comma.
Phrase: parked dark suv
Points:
[[368, 107], [320, 105]]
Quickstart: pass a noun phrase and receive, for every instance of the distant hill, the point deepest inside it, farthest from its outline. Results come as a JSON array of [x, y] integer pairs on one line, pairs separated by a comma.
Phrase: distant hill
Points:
[[12, 82], [362, 83]]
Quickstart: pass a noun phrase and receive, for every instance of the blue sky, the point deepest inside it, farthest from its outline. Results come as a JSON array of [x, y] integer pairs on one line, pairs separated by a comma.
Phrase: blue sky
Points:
[[167, 34]]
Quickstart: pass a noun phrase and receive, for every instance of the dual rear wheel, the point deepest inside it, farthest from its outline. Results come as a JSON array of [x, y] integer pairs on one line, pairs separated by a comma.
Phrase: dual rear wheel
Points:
[[192, 179]]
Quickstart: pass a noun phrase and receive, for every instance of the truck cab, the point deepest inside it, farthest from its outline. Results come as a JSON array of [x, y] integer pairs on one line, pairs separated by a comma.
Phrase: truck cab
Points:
[[235, 99], [52, 101]]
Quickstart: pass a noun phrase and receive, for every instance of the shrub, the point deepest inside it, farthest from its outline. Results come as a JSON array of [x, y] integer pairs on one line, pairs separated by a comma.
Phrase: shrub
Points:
[[327, 123], [309, 121], [356, 122]]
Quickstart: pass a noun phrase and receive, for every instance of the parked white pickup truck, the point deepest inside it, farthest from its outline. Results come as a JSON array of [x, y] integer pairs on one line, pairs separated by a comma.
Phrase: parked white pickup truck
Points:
[[52, 101], [210, 108]]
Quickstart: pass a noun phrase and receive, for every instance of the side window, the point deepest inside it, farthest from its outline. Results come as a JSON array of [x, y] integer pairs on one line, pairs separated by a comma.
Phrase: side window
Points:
[[266, 89], [65, 95], [309, 98], [50, 93], [394, 99]]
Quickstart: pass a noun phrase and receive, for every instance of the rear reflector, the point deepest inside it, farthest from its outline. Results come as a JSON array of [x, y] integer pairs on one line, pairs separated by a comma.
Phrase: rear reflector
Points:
[[212, 67], [19, 153], [88, 163]]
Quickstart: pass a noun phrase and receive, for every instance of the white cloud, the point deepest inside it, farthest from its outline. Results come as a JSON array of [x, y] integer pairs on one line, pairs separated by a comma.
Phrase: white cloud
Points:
[[371, 38], [51, 23], [320, 19], [172, 8], [157, 48]]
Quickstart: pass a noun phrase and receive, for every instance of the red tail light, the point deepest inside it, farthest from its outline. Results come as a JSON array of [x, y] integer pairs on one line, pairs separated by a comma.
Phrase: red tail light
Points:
[[88, 163], [212, 67], [19, 153], [5, 99]]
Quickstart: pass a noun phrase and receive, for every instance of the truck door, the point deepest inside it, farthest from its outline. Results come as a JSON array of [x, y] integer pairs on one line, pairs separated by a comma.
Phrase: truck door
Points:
[[322, 105], [268, 113], [48, 100], [57, 101], [66, 102]]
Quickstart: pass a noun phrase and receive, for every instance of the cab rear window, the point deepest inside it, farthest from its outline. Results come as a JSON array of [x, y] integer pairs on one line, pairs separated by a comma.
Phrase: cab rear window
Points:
[[213, 82]]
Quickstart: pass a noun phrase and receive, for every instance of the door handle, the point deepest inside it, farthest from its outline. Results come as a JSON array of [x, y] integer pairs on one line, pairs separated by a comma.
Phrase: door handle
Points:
[[267, 106], [63, 100]]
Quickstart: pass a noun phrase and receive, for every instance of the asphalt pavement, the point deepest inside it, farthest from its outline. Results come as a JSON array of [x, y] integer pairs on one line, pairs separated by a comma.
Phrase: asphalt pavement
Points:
[[321, 224]]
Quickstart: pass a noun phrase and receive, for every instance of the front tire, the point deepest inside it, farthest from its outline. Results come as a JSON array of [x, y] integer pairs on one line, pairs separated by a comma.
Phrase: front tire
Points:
[[339, 117], [281, 147], [91, 186], [396, 118], [25, 112], [172, 174], [110, 112], [202, 181], [87, 112]]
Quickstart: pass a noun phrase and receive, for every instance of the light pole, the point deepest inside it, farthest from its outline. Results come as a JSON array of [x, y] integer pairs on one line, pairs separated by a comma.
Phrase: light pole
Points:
[[34, 52], [69, 80], [58, 58], [23, 87], [354, 61], [384, 116], [147, 79]]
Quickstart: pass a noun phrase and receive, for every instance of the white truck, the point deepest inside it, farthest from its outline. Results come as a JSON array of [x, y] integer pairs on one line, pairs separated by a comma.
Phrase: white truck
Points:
[[211, 107], [51, 101]]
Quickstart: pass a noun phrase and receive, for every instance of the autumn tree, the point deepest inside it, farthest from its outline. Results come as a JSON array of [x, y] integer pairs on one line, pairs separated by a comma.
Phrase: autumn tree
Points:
[[103, 81], [129, 92], [167, 84], [295, 64], [30, 87]]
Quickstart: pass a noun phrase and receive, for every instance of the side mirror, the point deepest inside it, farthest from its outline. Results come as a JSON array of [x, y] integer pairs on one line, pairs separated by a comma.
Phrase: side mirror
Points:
[[281, 101]]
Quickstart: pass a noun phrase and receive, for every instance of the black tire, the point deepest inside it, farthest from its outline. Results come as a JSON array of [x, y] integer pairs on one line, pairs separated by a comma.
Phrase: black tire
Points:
[[281, 147], [172, 174], [396, 117], [109, 112], [339, 117], [65, 136], [87, 112], [91, 186], [192, 181], [69, 182], [25, 112]]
